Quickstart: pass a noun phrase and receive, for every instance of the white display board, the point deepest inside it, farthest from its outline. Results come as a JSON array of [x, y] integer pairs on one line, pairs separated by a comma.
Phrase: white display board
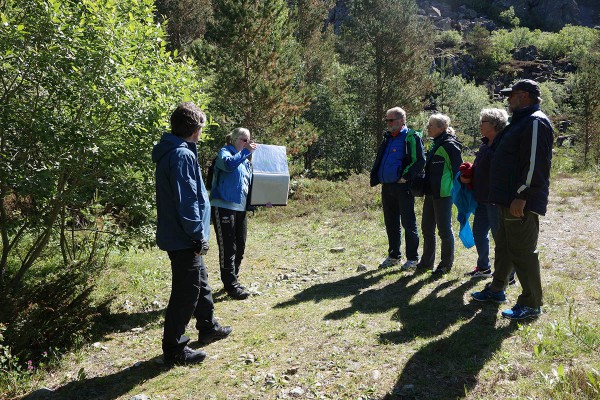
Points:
[[271, 177]]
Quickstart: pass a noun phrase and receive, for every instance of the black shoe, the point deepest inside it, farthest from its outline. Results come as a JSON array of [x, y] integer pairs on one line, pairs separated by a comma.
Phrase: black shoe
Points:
[[218, 332], [187, 356], [238, 292], [439, 271], [421, 269]]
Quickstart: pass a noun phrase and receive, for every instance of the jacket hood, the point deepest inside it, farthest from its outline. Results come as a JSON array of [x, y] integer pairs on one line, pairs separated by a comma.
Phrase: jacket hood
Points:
[[167, 143]]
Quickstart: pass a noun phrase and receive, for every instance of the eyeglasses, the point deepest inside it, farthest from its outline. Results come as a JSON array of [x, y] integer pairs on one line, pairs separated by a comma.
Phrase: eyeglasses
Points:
[[244, 140]]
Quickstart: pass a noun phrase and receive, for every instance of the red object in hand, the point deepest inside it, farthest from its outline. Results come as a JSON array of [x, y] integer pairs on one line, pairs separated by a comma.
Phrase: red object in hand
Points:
[[466, 171]]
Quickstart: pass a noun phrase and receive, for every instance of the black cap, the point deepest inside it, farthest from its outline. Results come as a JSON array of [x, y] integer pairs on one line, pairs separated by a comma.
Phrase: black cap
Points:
[[526, 85]]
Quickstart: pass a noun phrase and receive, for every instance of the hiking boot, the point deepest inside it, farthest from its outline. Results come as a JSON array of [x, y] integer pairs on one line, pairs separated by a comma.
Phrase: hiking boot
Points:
[[522, 312], [238, 292], [480, 273], [410, 264], [187, 356], [389, 262], [488, 295], [218, 332]]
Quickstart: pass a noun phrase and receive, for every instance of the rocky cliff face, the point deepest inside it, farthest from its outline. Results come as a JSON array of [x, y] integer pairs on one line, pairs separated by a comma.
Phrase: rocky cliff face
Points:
[[550, 15]]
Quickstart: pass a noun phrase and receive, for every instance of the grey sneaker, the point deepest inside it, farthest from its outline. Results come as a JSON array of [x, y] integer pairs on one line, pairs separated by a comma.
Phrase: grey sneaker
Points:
[[480, 273], [410, 264], [389, 262]]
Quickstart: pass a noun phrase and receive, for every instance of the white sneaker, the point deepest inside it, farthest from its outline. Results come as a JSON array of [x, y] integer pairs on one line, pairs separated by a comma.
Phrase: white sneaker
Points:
[[389, 262], [409, 265]]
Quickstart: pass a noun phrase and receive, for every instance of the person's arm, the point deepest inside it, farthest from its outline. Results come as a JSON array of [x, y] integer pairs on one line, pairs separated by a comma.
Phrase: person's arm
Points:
[[455, 157], [534, 164], [185, 189], [229, 161]]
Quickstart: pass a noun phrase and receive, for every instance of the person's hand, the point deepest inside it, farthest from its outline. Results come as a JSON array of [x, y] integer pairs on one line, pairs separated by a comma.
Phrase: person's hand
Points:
[[464, 180], [251, 146], [517, 207], [401, 180], [200, 247]]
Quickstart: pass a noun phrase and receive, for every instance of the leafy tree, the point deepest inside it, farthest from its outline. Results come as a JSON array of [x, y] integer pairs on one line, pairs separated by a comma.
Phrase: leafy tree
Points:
[[388, 47], [509, 17], [462, 101], [480, 45], [85, 87], [251, 48], [186, 20], [585, 86]]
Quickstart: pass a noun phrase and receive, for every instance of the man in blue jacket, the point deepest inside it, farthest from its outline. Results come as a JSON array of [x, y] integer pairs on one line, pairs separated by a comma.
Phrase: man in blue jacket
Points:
[[183, 213], [399, 159], [519, 184]]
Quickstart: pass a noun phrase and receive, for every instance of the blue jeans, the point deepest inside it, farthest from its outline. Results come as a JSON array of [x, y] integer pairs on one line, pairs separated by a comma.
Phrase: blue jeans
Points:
[[437, 213], [486, 219], [399, 207]]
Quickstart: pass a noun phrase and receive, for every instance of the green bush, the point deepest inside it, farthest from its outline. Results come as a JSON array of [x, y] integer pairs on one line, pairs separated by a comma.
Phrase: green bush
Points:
[[447, 39], [572, 42]]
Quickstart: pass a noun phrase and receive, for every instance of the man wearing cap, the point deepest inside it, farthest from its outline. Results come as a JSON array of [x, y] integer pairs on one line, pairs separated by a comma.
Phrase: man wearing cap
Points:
[[519, 185], [399, 159]]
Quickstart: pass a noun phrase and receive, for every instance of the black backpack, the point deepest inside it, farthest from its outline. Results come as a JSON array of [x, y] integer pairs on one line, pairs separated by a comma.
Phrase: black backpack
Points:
[[210, 172]]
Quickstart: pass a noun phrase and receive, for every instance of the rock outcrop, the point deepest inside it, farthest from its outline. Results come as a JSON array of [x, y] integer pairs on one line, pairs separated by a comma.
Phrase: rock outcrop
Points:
[[549, 15]]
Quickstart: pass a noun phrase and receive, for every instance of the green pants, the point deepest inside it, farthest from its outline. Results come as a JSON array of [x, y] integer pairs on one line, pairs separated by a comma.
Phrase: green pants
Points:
[[516, 247]]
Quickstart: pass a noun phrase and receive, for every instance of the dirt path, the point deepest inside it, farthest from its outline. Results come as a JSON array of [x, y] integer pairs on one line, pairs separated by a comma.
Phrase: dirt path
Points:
[[571, 227]]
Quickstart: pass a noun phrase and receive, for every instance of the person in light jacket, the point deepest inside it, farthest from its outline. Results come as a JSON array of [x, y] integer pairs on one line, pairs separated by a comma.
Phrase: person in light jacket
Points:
[[228, 197]]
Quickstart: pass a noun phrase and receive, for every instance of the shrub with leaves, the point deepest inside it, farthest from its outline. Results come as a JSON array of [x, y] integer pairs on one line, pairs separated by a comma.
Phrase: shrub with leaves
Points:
[[86, 87]]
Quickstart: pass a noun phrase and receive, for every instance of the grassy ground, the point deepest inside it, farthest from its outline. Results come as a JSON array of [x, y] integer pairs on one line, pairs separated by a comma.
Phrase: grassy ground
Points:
[[328, 324]]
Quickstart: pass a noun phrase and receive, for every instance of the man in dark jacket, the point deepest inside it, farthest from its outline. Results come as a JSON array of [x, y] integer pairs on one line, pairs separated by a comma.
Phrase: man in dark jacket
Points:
[[520, 182], [183, 212], [399, 159]]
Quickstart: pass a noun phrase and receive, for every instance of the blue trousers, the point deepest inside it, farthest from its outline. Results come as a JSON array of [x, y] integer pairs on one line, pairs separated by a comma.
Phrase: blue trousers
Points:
[[485, 220], [399, 208], [437, 213]]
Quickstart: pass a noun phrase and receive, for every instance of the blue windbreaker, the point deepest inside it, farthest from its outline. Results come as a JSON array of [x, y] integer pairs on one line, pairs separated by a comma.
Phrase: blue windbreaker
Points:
[[183, 210]]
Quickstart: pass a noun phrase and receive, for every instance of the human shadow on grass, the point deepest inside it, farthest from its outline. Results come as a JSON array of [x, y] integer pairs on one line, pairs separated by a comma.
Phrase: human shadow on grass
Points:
[[122, 322], [444, 368], [103, 387], [447, 368], [352, 286]]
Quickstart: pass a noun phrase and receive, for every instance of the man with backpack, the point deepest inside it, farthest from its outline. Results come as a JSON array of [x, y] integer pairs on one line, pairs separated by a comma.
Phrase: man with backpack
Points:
[[399, 159]]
